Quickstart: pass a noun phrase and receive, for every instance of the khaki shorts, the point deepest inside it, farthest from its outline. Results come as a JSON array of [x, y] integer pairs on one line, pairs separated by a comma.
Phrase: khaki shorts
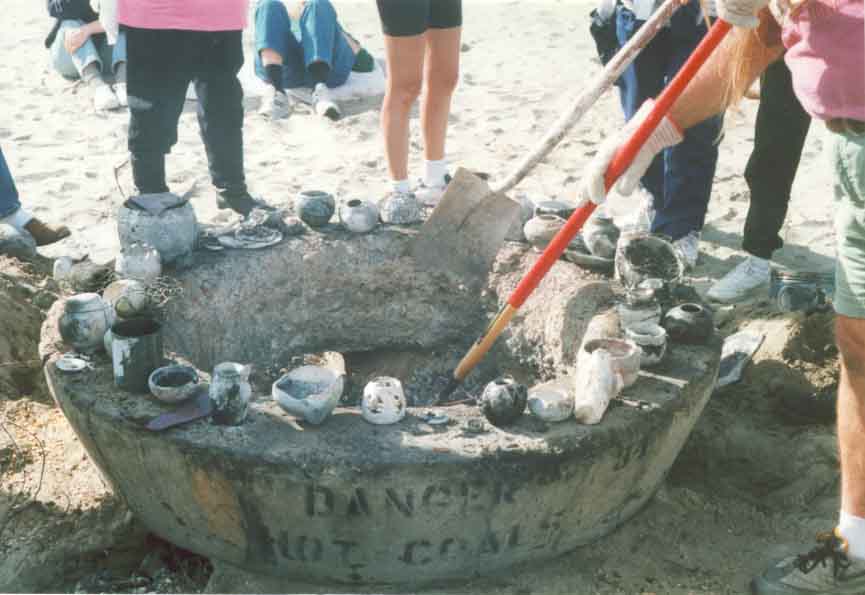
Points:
[[848, 159]]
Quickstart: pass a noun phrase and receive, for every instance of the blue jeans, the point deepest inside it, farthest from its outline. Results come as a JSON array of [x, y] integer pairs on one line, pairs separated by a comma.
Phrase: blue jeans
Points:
[[96, 49], [679, 179], [8, 193], [316, 37]]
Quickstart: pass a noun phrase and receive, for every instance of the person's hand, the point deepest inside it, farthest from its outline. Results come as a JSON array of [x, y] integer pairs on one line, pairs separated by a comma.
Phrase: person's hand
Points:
[[592, 187], [741, 13], [75, 38]]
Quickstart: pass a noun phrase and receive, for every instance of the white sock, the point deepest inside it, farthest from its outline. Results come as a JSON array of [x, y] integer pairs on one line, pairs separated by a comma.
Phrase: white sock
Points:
[[401, 186], [852, 528], [435, 173], [18, 219]]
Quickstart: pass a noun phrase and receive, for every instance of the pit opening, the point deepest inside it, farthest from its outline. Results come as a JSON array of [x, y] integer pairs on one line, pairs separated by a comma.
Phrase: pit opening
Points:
[[135, 327]]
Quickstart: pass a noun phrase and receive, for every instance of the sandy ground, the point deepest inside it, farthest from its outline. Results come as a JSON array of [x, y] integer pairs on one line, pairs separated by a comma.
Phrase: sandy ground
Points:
[[745, 483]]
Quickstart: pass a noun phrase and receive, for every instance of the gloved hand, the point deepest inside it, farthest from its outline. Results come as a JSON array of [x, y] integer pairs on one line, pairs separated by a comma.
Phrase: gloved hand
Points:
[[665, 135], [741, 13]]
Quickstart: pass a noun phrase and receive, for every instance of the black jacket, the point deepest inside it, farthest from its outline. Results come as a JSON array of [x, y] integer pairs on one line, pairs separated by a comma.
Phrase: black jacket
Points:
[[62, 10]]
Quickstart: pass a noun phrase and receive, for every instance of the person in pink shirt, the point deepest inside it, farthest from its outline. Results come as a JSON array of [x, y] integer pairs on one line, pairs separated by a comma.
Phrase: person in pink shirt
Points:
[[169, 45], [825, 45]]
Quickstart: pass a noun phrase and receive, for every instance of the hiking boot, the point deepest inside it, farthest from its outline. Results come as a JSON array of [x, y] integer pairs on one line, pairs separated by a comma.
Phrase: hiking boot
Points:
[[825, 569], [802, 407], [324, 103], [44, 233], [275, 105], [688, 248], [750, 274], [431, 195], [241, 203]]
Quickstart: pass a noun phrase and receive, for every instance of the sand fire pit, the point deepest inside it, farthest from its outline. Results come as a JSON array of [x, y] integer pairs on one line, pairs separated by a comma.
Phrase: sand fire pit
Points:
[[408, 503]]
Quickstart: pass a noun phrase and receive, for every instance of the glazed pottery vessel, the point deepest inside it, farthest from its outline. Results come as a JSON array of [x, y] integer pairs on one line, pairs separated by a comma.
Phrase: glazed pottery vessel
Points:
[[641, 256], [689, 323], [173, 384], [624, 355], [85, 319], [136, 350], [359, 216], [140, 262], [309, 392], [640, 307], [601, 235], [651, 338], [400, 209], [503, 401], [551, 402], [230, 393], [314, 207], [383, 401], [172, 233], [598, 381], [127, 297], [540, 229]]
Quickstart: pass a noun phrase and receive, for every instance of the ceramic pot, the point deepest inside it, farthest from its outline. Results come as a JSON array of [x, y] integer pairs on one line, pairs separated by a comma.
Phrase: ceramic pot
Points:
[[86, 317], [689, 323], [309, 392], [598, 381], [527, 211], [642, 256], [230, 393], [651, 338], [540, 230], [127, 297], [624, 355], [172, 233], [554, 207], [173, 384], [400, 209], [136, 350], [140, 262], [640, 307], [600, 236], [314, 207], [359, 216], [551, 402], [383, 401], [503, 401]]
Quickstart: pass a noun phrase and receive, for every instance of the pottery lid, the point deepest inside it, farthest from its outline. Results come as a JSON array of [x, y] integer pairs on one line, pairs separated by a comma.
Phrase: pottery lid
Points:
[[84, 302]]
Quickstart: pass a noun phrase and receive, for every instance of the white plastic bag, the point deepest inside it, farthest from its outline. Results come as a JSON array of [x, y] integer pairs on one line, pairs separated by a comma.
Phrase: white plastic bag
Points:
[[596, 384]]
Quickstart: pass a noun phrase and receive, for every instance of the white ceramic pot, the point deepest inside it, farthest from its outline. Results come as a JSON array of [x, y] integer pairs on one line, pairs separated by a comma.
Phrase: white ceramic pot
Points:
[[652, 341], [551, 402], [127, 297], [359, 216], [539, 230], [624, 354], [172, 233], [383, 401], [309, 392], [230, 393], [86, 317], [140, 262]]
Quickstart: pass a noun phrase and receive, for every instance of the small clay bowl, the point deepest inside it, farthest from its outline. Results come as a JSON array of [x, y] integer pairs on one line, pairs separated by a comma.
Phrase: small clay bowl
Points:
[[173, 384], [624, 354], [651, 339]]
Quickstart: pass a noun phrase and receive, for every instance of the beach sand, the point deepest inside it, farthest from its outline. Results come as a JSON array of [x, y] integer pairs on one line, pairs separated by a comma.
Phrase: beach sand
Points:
[[714, 523]]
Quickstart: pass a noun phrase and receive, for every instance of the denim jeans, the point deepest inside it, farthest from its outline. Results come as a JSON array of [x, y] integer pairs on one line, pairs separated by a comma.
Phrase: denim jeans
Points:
[[316, 37], [95, 49], [8, 193], [679, 179]]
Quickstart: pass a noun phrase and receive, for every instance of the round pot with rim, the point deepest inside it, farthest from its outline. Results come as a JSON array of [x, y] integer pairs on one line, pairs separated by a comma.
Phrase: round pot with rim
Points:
[[314, 207], [689, 323], [86, 317], [624, 356], [540, 230], [651, 338], [359, 216]]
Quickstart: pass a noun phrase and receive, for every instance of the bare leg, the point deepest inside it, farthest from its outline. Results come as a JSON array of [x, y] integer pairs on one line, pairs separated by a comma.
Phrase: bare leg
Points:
[[850, 334], [405, 57], [441, 74]]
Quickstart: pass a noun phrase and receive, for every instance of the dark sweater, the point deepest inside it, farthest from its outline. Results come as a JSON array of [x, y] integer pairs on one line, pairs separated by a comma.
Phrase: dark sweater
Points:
[[62, 10]]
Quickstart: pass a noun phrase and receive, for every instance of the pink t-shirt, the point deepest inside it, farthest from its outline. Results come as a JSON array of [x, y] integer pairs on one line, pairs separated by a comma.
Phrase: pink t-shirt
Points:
[[190, 15], [825, 41]]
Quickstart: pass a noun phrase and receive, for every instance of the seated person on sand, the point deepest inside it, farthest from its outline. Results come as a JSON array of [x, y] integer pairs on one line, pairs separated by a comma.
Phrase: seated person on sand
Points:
[[303, 48], [80, 49], [11, 212]]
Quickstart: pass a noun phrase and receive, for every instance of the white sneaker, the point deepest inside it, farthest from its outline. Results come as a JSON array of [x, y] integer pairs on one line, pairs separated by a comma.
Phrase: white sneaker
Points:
[[640, 219], [120, 93], [104, 98], [431, 195], [275, 105], [748, 275], [688, 248], [324, 103]]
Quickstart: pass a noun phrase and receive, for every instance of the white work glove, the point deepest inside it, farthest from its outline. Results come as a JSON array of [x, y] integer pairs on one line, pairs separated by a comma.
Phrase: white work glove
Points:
[[665, 135], [741, 13]]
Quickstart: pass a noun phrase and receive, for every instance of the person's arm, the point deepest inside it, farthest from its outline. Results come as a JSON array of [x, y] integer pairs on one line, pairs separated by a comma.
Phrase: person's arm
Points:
[[75, 38]]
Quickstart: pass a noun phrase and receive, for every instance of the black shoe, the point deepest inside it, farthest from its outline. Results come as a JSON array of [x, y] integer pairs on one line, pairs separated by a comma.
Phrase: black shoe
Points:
[[801, 407], [241, 203]]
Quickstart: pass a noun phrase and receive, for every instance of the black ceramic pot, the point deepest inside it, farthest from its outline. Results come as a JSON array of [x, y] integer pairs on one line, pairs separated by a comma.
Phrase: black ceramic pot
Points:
[[503, 401], [689, 323]]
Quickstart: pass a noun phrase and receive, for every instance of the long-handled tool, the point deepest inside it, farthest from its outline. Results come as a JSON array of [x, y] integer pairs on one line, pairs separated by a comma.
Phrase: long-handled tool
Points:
[[618, 165], [472, 219]]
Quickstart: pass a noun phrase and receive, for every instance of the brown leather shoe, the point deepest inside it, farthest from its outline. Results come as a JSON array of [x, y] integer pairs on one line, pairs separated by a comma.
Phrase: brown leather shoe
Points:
[[44, 233]]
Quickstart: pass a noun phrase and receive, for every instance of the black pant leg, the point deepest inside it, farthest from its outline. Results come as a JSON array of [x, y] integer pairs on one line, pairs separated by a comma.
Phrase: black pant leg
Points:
[[220, 108], [779, 137], [157, 77]]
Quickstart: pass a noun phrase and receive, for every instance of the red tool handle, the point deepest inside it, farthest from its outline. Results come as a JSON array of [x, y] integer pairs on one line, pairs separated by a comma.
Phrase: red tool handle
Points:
[[620, 162]]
